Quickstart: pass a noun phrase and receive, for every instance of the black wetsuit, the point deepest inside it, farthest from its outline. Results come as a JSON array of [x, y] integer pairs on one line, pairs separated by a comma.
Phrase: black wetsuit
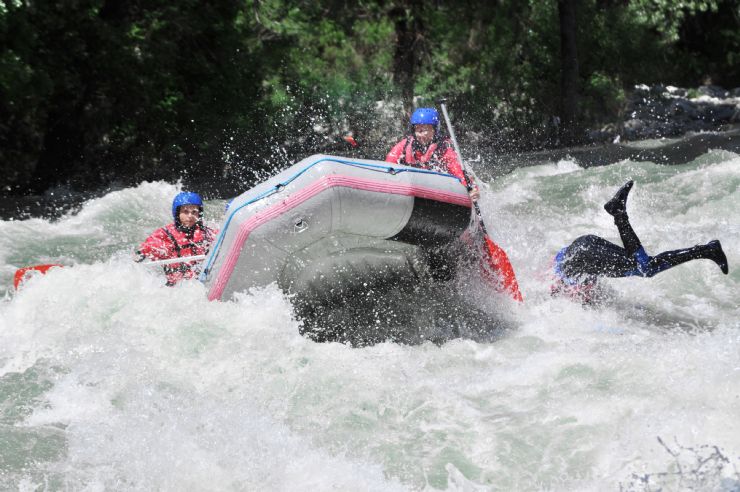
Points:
[[590, 257]]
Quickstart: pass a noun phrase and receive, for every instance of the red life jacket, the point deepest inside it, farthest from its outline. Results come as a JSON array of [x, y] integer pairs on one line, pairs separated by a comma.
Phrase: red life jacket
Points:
[[170, 242], [439, 156], [432, 157]]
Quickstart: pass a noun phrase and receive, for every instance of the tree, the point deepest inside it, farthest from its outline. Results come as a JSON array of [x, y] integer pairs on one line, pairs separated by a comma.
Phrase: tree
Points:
[[569, 70], [409, 48], [222, 91]]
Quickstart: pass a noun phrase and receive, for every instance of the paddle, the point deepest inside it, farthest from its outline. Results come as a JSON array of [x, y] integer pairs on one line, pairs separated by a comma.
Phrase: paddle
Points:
[[497, 258], [23, 274], [179, 259]]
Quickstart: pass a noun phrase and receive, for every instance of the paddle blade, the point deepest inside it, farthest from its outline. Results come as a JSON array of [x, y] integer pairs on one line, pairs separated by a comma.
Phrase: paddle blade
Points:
[[499, 263], [23, 274]]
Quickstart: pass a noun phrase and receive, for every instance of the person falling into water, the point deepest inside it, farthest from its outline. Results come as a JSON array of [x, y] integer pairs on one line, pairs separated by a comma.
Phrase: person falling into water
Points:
[[578, 267], [186, 236]]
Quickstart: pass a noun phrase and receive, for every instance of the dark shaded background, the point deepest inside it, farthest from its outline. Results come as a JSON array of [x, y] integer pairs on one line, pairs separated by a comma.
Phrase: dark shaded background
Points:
[[106, 93]]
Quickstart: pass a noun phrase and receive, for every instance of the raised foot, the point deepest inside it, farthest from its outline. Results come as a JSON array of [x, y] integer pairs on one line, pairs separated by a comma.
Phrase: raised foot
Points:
[[717, 255], [618, 204]]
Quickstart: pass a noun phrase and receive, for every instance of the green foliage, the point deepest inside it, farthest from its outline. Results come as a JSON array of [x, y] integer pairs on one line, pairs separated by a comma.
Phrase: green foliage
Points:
[[604, 95], [666, 16], [93, 91]]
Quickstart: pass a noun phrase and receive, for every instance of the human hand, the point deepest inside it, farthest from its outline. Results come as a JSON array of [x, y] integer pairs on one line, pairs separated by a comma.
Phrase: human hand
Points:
[[474, 193]]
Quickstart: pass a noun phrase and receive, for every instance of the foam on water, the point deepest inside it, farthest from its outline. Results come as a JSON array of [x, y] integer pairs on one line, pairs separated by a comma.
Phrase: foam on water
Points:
[[110, 381]]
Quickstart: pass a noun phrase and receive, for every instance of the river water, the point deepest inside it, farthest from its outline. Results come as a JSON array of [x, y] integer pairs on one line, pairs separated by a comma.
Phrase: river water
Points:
[[110, 381]]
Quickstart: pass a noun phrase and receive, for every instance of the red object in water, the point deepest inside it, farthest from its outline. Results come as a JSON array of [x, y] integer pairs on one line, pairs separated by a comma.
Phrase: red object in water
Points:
[[499, 263], [23, 274]]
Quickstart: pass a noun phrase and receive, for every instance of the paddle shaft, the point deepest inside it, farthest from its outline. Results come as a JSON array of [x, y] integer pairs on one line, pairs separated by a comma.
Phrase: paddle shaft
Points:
[[468, 182], [179, 259], [497, 256], [22, 273]]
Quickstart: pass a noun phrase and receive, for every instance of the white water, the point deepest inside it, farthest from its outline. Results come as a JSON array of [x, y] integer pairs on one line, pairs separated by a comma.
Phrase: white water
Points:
[[110, 381]]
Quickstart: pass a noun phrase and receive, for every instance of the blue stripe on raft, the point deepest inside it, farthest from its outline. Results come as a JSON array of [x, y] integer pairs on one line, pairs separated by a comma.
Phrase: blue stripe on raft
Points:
[[279, 186]]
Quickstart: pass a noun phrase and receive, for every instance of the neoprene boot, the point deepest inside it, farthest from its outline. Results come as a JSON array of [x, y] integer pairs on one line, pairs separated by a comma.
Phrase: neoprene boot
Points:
[[618, 204], [710, 251], [617, 208]]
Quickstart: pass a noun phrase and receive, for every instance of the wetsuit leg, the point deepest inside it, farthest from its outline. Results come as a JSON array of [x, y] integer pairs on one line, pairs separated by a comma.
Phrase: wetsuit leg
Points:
[[630, 240], [669, 259], [590, 257], [617, 208], [593, 256], [648, 266]]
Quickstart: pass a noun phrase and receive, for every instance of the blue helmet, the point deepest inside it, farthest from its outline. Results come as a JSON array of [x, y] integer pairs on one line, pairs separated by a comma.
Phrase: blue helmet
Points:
[[425, 116], [186, 198]]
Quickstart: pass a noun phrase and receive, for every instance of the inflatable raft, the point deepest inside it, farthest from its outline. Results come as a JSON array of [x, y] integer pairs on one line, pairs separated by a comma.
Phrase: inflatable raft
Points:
[[330, 227]]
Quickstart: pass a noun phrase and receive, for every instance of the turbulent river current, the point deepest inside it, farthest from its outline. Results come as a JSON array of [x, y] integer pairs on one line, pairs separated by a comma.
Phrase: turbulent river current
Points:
[[111, 381]]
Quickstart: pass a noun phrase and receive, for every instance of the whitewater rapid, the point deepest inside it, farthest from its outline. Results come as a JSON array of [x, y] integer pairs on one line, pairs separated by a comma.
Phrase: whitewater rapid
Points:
[[110, 381]]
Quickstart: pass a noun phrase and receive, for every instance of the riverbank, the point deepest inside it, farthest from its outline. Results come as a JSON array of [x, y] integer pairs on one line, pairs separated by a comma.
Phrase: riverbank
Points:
[[662, 124], [665, 151]]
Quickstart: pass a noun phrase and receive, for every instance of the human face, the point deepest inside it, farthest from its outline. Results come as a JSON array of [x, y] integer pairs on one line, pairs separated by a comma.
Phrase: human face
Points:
[[424, 133], [189, 215]]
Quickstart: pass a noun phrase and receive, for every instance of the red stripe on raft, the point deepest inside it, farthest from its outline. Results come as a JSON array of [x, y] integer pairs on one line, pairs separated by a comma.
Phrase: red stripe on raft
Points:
[[314, 189]]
